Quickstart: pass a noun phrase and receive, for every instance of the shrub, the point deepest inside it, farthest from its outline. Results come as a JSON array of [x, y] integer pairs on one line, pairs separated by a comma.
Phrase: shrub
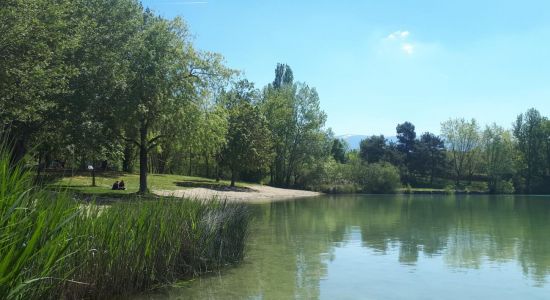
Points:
[[380, 178], [504, 187], [477, 186], [449, 189]]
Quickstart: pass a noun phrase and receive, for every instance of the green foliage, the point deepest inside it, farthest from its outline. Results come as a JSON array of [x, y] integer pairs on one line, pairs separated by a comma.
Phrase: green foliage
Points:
[[338, 150], [373, 149], [296, 122], [406, 144], [504, 187], [498, 156], [54, 247], [380, 178], [429, 156], [248, 146], [531, 134], [357, 176], [34, 234], [477, 187], [462, 139], [449, 189]]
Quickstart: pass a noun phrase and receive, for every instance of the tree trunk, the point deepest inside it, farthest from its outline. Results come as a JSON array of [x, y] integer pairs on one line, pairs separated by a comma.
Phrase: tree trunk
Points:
[[232, 177], [143, 159], [19, 150], [207, 162], [190, 163]]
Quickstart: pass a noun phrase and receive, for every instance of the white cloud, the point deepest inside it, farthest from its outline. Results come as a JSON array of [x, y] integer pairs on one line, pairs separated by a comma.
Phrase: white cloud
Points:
[[401, 39], [408, 48], [400, 34]]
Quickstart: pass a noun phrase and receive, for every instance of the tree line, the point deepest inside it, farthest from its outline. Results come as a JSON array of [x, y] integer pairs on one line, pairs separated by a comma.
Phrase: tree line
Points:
[[464, 156], [112, 85]]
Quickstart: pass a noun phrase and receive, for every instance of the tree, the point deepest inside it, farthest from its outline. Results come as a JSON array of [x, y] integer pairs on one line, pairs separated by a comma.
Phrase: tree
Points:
[[462, 140], [36, 38], [248, 141], [406, 138], [283, 76], [296, 122], [373, 149], [529, 132], [429, 157], [166, 74], [498, 155], [338, 150]]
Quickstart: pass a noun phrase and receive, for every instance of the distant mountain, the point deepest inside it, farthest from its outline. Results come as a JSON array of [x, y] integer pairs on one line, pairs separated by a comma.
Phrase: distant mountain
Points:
[[354, 140]]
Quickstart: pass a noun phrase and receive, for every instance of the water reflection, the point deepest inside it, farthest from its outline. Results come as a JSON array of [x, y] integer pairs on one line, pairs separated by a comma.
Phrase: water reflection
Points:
[[337, 246]]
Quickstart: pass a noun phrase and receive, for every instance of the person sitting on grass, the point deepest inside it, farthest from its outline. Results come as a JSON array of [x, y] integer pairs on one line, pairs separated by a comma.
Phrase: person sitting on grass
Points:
[[116, 186], [121, 185]]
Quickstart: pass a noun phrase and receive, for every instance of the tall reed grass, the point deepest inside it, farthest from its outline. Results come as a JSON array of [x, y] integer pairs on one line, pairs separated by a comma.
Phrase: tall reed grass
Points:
[[52, 246]]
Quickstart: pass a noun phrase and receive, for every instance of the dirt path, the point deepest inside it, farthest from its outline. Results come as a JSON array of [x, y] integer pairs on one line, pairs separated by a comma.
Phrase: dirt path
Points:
[[257, 194]]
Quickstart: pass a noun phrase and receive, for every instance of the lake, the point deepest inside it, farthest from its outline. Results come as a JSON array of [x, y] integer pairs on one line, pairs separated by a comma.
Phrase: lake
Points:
[[389, 247]]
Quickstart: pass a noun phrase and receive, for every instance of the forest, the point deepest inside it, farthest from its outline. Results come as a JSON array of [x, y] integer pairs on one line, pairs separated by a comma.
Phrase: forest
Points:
[[465, 157], [110, 85]]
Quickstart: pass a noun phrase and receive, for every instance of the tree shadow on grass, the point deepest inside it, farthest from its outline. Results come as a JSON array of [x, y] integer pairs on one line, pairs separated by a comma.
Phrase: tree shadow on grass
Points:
[[212, 186]]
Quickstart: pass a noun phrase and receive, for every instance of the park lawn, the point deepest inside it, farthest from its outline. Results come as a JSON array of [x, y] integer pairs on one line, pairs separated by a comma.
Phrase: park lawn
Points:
[[104, 181]]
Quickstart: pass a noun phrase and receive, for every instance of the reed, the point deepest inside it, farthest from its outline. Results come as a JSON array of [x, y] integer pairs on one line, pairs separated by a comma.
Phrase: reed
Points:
[[52, 246]]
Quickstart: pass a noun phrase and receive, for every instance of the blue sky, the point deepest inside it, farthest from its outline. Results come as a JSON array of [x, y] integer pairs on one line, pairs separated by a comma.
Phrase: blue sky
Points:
[[379, 63]]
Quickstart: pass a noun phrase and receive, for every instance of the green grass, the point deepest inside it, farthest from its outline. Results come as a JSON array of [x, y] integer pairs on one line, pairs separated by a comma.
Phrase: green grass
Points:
[[82, 183], [53, 247]]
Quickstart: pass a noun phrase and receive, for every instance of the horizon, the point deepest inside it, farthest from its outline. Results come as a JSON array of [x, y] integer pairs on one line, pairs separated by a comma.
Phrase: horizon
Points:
[[430, 61]]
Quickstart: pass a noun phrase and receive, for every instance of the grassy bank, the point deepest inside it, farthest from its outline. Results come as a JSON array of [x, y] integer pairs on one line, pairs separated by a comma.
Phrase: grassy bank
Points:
[[82, 183], [54, 247]]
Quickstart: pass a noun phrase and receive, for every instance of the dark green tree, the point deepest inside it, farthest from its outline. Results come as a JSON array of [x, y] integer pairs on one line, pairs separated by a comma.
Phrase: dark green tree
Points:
[[338, 150], [283, 76], [406, 139], [429, 158], [373, 149], [248, 144]]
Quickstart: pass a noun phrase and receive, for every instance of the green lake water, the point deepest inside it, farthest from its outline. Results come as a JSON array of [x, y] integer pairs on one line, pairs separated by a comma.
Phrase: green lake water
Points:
[[389, 247]]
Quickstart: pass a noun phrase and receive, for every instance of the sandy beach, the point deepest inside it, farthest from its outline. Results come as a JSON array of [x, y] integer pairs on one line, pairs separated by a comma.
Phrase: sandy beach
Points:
[[256, 194]]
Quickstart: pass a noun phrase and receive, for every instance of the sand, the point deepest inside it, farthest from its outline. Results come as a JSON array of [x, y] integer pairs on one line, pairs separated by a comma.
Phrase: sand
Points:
[[256, 194]]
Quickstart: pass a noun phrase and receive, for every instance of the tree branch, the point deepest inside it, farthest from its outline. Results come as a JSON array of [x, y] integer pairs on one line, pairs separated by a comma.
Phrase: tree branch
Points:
[[130, 140]]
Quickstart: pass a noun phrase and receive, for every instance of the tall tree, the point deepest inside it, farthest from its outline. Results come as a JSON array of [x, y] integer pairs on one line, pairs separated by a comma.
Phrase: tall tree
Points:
[[296, 122], [248, 141], [166, 74], [373, 149], [36, 38], [429, 157], [462, 140], [529, 132], [406, 139], [338, 150], [498, 155], [283, 76]]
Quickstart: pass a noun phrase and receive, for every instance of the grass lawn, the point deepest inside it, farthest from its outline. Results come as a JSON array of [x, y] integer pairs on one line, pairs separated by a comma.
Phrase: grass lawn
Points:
[[83, 183]]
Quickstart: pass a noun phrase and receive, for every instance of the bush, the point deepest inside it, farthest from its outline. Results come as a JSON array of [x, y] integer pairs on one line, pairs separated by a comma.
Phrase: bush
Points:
[[477, 187], [504, 187], [450, 189], [380, 178]]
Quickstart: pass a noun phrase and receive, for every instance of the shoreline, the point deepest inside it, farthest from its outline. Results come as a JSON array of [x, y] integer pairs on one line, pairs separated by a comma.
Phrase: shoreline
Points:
[[256, 194]]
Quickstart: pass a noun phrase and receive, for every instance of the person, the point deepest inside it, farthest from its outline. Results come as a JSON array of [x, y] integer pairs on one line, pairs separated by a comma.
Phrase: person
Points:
[[121, 185], [116, 185]]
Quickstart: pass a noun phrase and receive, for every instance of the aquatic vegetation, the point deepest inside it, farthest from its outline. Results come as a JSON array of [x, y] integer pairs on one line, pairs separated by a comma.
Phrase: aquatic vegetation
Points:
[[52, 246]]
